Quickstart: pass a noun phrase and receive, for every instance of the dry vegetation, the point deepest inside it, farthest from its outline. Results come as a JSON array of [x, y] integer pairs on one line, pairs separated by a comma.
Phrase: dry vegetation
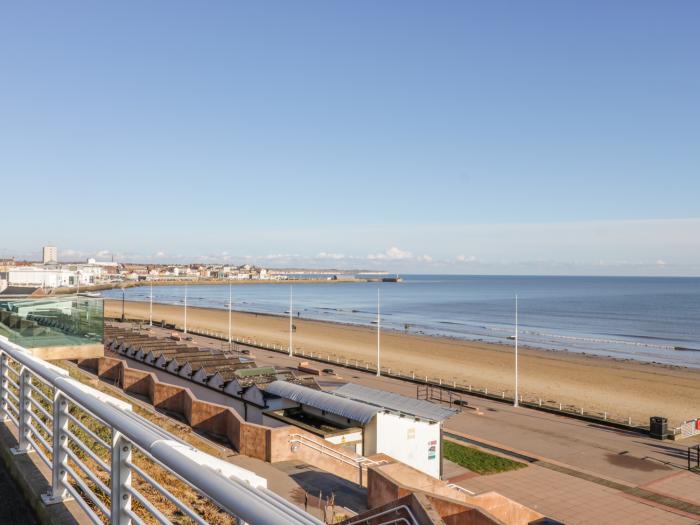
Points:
[[186, 494]]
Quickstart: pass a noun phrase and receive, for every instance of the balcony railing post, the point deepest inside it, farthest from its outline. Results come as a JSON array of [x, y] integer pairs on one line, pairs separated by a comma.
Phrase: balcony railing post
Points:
[[25, 393], [121, 480], [59, 476], [3, 388]]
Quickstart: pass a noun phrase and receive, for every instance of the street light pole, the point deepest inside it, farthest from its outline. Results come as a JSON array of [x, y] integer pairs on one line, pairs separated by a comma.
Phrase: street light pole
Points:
[[150, 311], [185, 308], [291, 302], [123, 299], [515, 401], [379, 330], [230, 295]]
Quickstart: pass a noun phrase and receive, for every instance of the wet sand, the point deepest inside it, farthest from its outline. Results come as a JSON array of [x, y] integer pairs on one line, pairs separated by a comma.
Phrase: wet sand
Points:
[[622, 388]]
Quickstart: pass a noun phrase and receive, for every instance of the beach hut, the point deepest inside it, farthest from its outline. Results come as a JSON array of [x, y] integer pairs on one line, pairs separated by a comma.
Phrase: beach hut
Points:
[[370, 420]]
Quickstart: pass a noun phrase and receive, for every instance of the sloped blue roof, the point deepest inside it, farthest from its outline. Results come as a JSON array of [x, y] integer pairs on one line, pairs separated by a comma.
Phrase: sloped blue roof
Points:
[[337, 405], [394, 402]]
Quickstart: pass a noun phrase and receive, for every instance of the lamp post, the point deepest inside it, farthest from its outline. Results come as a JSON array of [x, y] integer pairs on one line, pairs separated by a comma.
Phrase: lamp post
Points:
[[379, 330], [230, 297], [150, 310], [291, 302], [515, 401], [185, 330], [123, 299]]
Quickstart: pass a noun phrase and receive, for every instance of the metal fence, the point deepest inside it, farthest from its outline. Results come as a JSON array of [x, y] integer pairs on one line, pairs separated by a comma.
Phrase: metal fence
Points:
[[549, 405], [119, 467], [687, 429], [458, 387]]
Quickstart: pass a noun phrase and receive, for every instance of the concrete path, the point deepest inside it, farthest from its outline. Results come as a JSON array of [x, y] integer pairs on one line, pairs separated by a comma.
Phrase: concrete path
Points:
[[319, 484], [571, 500], [293, 479]]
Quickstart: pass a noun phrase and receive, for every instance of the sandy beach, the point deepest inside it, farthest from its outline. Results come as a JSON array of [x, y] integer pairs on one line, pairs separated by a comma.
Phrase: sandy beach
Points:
[[620, 388]]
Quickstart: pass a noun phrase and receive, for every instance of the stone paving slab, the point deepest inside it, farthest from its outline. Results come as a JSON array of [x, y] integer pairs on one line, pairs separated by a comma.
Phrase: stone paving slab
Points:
[[573, 500], [682, 485], [649, 497]]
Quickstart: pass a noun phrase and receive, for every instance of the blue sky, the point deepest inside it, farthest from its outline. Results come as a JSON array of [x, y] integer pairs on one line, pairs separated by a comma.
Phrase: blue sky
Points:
[[459, 137]]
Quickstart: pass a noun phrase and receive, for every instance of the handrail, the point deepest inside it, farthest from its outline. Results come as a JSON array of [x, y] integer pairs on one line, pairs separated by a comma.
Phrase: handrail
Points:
[[358, 462], [327, 450], [460, 489], [236, 490], [384, 512]]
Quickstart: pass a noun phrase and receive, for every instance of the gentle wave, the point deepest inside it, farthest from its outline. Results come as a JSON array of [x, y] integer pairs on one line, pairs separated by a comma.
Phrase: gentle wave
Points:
[[639, 318]]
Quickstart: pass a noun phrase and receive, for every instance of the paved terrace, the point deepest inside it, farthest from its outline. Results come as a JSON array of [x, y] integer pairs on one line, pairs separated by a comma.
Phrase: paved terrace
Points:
[[580, 472]]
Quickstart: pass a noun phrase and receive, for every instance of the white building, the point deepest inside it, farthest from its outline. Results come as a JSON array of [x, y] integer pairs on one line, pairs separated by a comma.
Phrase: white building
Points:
[[54, 276], [49, 254], [41, 277], [89, 273], [373, 421], [111, 264]]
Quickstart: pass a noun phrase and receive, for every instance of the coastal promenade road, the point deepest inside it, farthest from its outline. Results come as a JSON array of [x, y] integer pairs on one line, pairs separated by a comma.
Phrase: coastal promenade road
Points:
[[626, 456], [621, 455], [579, 472]]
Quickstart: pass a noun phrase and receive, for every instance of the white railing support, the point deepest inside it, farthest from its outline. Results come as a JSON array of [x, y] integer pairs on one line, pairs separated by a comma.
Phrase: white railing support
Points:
[[4, 384], [24, 444], [120, 480], [59, 475]]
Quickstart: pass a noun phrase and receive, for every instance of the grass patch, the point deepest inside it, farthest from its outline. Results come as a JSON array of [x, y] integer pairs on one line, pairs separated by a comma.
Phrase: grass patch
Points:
[[478, 461]]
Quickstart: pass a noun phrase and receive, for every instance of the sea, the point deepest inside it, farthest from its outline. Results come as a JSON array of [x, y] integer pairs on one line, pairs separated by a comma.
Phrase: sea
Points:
[[640, 318]]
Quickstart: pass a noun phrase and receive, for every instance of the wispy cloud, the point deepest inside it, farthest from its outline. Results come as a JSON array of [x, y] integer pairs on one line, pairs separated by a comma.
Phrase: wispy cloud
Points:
[[324, 256], [624, 247], [392, 254]]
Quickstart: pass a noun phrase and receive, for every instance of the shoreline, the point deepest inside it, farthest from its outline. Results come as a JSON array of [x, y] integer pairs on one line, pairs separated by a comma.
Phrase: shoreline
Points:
[[437, 335], [619, 386], [204, 282]]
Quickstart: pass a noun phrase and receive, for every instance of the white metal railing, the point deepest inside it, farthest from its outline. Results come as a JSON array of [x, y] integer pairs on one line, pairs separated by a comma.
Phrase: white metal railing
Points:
[[460, 489], [687, 429], [393, 510], [361, 463], [119, 467], [355, 461]]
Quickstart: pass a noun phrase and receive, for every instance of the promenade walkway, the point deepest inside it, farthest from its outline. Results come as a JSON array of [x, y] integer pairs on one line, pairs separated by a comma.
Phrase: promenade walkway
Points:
[[581, 472]]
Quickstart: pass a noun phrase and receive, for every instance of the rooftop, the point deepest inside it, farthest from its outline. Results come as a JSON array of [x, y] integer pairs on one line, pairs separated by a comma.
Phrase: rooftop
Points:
[[358, 402], [394, 402], [348, 408]]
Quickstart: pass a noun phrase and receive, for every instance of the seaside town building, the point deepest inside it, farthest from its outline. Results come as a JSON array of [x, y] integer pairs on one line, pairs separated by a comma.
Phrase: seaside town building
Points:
[[49, 254], [55, 276], [50, 274]]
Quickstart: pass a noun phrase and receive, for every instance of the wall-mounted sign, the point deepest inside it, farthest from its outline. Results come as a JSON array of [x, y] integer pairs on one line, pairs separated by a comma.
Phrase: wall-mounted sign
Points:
[[432, 449]]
